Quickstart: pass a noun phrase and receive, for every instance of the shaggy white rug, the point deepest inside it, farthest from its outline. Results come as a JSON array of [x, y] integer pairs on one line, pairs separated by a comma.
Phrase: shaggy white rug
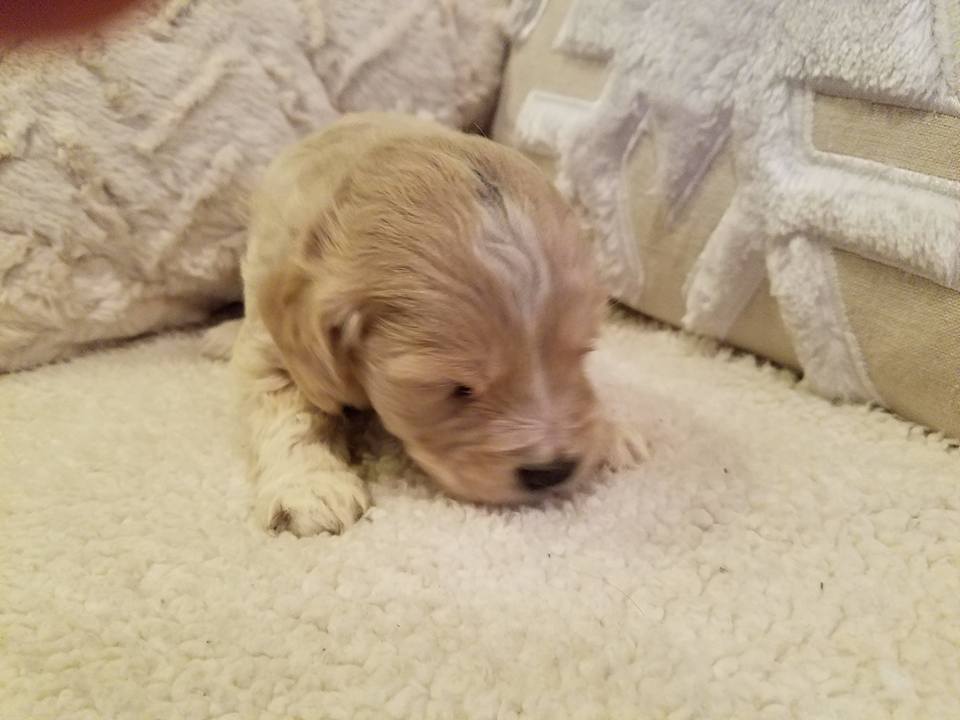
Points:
[[779, 557]]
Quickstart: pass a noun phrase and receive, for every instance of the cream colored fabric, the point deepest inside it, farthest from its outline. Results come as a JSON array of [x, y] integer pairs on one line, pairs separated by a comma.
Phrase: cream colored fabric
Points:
[[533, 64], [907, 326], [927, 143], [899, 326], [909, 330]]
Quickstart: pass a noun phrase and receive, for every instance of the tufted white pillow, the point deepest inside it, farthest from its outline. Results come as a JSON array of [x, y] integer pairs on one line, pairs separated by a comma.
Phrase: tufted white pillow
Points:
[[126, 159]]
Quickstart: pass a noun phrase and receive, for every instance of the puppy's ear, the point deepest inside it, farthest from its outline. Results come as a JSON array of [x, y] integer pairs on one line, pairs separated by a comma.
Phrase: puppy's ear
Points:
[[317, 325]]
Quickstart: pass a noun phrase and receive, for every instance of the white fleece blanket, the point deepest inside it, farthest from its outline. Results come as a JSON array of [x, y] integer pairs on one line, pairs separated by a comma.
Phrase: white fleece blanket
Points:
[[778, 557]]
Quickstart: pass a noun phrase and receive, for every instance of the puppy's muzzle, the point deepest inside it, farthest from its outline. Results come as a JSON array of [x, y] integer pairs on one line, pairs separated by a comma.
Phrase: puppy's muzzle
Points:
[[541, 477]]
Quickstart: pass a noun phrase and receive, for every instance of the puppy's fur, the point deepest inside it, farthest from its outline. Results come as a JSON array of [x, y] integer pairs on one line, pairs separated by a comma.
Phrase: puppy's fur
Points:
[[436, 278]]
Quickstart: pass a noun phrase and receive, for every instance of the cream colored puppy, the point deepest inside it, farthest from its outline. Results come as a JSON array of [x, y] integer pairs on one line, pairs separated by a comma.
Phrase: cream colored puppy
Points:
[[440, 280]]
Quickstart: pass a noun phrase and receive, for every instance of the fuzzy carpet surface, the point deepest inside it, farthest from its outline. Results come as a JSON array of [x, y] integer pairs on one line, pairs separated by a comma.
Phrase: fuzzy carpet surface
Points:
[[779, 557]]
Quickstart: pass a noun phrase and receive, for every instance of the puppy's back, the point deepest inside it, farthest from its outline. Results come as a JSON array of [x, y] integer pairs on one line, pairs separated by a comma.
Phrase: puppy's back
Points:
[[304, 178]]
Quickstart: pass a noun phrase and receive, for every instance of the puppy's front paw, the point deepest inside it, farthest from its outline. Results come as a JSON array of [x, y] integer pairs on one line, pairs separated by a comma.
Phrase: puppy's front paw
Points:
[[624, 449], [321, 502]]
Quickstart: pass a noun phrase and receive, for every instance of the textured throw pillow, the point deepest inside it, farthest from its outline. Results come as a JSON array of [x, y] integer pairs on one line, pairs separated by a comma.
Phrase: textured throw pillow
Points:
[[126, 158], [782, 174]]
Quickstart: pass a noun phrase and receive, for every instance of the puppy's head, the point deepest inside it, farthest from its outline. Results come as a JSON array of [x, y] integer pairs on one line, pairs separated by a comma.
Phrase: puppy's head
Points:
[[460, 302]]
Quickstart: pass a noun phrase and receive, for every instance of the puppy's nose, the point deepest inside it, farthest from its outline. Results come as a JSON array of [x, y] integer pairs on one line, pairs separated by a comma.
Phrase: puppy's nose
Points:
[[540, 477]]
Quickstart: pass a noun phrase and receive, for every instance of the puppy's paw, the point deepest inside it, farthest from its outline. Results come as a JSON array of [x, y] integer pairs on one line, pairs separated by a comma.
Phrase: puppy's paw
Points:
[[327, 502], [625, 449]]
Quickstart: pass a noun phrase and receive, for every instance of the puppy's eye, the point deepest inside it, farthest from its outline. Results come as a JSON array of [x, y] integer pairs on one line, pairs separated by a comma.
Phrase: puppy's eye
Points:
[[462, 392]]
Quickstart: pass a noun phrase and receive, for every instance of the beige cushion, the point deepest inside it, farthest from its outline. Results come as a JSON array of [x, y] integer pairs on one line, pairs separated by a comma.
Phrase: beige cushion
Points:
[[901, 323]]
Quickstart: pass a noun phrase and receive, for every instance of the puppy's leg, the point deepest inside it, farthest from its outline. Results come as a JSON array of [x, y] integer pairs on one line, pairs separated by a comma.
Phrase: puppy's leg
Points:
[[301, 481], [301, 484], [621, 449]]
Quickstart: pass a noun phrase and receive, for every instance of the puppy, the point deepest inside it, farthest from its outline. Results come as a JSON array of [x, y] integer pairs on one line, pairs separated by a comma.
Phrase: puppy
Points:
[[437, 279]]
